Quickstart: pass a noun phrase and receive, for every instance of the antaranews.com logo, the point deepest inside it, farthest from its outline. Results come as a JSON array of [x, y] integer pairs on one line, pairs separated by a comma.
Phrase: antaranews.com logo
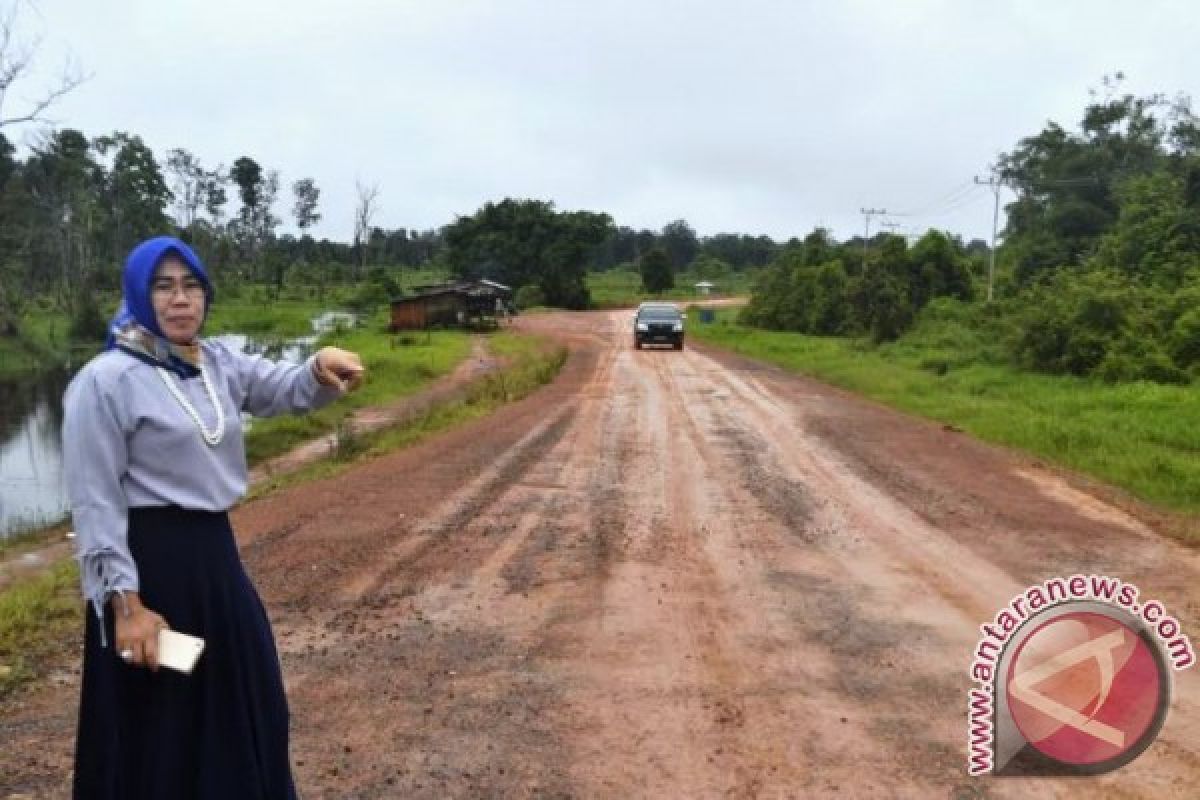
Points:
[[1072, 679]]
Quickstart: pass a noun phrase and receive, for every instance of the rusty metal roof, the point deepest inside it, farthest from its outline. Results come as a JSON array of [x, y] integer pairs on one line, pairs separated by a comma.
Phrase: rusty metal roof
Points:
[[482, 288]]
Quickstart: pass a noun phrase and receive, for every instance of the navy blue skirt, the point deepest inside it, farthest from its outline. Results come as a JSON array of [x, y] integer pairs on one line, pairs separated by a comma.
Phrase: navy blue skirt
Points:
[[217, 734]]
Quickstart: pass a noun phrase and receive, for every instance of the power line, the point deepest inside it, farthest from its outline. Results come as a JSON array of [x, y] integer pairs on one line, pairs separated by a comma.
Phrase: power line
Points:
[[949, 198], [967, 201]]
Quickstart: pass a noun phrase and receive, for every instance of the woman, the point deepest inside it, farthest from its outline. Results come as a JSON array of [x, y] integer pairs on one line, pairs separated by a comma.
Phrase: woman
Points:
[[154, 458]]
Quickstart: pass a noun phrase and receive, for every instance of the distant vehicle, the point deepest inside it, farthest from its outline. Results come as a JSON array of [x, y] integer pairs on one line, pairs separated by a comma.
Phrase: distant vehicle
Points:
[[658, 323]]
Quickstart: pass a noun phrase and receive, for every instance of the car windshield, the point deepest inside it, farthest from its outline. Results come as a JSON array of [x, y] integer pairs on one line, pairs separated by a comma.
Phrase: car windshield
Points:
[[659, 314]]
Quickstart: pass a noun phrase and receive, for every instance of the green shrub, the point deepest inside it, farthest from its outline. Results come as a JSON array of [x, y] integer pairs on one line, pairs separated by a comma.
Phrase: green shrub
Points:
[[530, 296], [1184, 339], [1100, 323]]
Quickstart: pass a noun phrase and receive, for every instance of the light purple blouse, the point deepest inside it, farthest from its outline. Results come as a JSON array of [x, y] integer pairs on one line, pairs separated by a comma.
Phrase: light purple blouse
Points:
[[128, 442]]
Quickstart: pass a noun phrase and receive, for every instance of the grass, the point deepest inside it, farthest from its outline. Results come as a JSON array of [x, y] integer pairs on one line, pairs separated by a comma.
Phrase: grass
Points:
[[1141, 437], [37, 615], [44, 339], [251, 309], [32, 538], [286, 319], [529, 363], [397, 366], [622, 288]]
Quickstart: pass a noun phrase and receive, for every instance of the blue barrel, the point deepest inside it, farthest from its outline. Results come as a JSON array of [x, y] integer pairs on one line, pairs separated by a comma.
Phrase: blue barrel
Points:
[[708, 316]]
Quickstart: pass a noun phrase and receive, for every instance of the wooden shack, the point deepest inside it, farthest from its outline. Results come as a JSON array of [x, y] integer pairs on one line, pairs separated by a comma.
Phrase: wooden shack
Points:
[[459, 304]]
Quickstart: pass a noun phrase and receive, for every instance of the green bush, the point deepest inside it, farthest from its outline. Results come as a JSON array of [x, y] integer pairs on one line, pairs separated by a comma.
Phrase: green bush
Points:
[[800, 292], [530, 296], [1184, 339], [1100, 323]]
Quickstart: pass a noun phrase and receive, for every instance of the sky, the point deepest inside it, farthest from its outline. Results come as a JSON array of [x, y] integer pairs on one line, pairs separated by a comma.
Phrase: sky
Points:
[[752, 117]]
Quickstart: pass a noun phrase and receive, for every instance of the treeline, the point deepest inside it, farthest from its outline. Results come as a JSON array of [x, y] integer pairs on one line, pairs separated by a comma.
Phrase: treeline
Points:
[[733, 252], [822, 287], [74, 206], [1103, 241], [546, 253], [1098, 273]]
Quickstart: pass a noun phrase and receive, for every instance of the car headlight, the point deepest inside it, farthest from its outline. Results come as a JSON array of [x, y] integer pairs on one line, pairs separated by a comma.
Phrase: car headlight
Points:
[[678, 327], [641, 326]]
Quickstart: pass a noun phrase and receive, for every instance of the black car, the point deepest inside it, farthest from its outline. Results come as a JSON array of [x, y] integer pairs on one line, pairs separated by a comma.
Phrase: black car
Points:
[[658, 323]]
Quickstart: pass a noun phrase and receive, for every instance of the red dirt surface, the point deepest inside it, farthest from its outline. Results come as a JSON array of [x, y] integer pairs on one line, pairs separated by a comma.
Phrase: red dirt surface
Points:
[[666, 575]]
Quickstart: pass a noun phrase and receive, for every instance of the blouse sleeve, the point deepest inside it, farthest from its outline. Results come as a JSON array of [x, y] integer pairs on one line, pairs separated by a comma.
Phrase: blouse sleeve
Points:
[[278, 387], [95, 458]]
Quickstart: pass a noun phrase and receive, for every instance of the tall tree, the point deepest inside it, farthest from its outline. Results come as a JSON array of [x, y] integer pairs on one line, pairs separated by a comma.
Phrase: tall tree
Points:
[[213, 184], [1067, 183], [64, 183], [365, 208], [937, 268], [657, 275], [739, 250], [680, 243], [135, 193], [255, 224], [187, 185], [247, 175], [305, 208], [526, 242]]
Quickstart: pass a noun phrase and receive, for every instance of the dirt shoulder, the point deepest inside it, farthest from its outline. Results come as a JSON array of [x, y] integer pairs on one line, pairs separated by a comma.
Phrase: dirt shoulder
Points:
[[664, 575]]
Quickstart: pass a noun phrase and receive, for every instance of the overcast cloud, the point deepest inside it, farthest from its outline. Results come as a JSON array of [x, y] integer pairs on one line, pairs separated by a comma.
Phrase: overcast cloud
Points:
[[754, 116]]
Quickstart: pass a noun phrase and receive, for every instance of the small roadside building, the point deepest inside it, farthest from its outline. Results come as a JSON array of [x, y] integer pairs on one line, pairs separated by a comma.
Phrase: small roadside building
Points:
[[705, 287], [458, 304]]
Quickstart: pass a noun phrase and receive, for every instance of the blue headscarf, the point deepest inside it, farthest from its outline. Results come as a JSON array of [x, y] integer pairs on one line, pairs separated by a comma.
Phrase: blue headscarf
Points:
[[137, 307]]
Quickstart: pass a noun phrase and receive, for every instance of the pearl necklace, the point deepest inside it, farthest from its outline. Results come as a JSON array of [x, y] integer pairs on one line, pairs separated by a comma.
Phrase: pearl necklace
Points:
[[211, 439]]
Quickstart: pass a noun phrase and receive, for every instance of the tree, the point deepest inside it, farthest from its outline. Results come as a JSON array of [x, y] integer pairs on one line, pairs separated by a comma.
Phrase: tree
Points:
[[265, 222], [63, 182], [739, 250], [215, 197], [305, 209], [819, 247], [16, 63], [248, 176], [255, 224], [1156, 237], [1068, 183], [657, 275], [187, 185], [680, 243], [937, 268], [365, 209], [526, 242], [563, 273], [134, 192], [881, 297]]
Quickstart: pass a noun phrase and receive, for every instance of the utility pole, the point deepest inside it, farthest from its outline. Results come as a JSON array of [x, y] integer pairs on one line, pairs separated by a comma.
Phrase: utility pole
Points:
[[867, 214], [994, 184]]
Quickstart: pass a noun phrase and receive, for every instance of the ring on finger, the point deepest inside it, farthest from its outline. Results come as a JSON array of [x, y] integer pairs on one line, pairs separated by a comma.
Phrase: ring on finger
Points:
[[126, 654]]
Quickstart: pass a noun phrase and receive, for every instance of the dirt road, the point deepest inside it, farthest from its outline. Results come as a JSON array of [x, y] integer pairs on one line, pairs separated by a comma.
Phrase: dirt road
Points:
[[667, 575]]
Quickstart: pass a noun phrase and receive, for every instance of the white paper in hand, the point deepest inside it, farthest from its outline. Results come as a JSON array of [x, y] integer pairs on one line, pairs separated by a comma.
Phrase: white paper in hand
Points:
[[178, 651]]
